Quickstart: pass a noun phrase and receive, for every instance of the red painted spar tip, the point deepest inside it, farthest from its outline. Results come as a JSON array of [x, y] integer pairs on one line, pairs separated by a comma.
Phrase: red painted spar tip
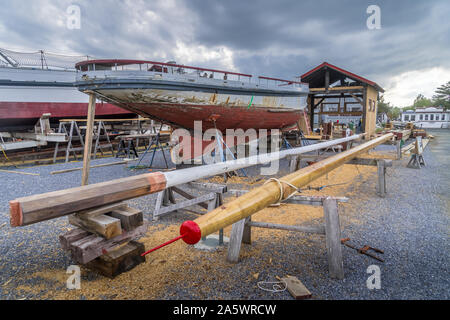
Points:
[[191, 232], [16, 216]]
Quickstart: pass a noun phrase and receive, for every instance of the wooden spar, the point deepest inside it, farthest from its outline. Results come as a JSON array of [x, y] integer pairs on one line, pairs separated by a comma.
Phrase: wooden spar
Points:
[[37, 208], [268, 194]]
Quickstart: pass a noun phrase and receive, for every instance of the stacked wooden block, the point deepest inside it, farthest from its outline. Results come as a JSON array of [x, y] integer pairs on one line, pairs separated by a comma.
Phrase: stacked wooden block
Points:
[[104, 238]]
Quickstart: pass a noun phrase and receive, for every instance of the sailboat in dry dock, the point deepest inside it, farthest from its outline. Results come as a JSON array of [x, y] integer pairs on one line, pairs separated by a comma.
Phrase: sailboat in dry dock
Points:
[[179, 95]]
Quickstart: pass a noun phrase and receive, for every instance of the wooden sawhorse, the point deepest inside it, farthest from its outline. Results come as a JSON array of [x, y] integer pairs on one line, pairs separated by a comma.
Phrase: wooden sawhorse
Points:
[[241, 231]]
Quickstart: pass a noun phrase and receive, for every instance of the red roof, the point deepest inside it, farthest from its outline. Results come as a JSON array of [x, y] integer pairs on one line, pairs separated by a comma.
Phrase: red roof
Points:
[[347, 73]]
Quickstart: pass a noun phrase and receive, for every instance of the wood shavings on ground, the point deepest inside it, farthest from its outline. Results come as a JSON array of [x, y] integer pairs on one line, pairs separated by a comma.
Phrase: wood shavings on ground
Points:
[[183, 267]]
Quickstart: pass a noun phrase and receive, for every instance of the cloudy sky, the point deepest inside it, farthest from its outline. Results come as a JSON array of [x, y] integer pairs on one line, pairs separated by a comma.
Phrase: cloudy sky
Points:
[[408, 55]]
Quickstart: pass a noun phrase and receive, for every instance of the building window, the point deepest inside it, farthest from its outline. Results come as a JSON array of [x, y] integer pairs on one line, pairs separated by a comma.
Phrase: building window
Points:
[[413, 118], [421, 117], [443, 117], [406, 118], [431, 117], [426, 117]]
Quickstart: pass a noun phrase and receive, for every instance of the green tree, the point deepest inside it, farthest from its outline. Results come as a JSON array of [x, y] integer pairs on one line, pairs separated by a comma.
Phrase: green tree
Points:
[[421, 101], [442, 96], [383, 106], [394, 113], [386, 107]]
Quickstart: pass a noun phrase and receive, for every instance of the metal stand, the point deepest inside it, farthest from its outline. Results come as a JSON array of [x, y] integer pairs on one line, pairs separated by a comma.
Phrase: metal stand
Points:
[[155, 141], [241, 231], [127, 148]]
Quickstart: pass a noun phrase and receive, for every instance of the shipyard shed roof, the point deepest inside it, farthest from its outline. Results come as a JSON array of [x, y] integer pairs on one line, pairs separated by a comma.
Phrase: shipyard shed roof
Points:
[[315, 77]]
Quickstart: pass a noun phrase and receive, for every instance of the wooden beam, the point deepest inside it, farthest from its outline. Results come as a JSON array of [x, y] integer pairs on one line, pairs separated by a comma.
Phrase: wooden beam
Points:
[[88, 139], [334, 89], [357, 99], [267, 225], [55, 204]]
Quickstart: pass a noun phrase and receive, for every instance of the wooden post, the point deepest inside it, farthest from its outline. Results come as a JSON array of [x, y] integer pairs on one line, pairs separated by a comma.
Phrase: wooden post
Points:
[[234, 246], [88, 139], [381, 186], [333, 238], [247, 235], [399, 149]]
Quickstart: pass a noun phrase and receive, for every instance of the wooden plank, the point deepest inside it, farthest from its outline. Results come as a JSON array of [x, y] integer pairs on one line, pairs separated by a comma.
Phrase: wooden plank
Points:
[[86, 250], [88, 139], [119, 261], [92, 167], [296, 288], [333, 239], [19, 172], [130, 218], [105, 226]]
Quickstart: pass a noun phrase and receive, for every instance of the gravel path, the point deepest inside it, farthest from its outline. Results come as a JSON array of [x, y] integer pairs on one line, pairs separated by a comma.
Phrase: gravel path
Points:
[[411, 225]]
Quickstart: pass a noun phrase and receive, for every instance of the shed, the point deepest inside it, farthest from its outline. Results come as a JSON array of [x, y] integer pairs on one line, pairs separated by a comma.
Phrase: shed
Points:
[[337, 95]]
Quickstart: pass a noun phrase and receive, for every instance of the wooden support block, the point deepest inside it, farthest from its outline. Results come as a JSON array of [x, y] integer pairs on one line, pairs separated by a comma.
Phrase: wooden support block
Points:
[[119, 261], [130, 218], [102, 210], [72, 236], [296, 288], [93, 246], [105, 226]]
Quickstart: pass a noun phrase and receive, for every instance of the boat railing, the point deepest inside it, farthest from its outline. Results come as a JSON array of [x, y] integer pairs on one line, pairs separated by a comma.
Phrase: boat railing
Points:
[[175, 72]]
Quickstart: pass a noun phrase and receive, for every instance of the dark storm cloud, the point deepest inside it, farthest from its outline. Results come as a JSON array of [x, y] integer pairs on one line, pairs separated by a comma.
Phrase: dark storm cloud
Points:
[[414, 34], [278, 38]]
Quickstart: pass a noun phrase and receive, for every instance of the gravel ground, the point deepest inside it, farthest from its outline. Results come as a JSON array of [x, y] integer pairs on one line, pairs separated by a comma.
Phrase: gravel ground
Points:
[[411, 225]]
